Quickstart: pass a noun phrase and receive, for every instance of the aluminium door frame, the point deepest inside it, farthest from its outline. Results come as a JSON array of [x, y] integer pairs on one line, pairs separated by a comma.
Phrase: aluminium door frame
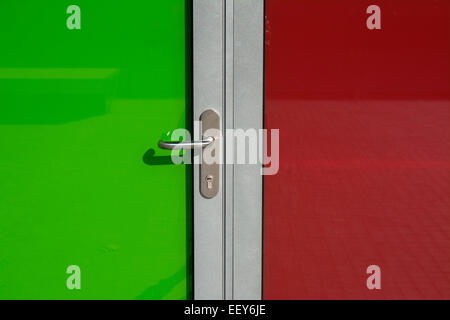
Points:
[[228, 76]]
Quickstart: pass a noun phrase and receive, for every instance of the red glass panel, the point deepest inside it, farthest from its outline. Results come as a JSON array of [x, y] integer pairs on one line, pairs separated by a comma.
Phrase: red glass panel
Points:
[[364, 179]]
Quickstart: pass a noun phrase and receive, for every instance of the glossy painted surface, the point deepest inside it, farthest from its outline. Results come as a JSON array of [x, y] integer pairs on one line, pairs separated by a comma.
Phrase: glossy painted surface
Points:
[[82, 181], [364, 150]]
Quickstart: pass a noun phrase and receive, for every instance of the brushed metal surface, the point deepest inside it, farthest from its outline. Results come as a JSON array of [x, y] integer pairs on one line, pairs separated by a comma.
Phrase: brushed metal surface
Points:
[[209, 172]]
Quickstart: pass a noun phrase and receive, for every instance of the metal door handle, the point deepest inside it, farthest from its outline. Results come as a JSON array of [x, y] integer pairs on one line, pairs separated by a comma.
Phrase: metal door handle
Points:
[[174, 145], [209, 172]]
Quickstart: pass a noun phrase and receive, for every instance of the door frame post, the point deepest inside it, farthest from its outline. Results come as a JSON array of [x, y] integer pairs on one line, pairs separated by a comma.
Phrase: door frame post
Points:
[[208, 93], [228, 73]]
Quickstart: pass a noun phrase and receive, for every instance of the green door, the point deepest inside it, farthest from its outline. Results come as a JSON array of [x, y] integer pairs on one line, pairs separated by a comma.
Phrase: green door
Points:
[[89, 207]]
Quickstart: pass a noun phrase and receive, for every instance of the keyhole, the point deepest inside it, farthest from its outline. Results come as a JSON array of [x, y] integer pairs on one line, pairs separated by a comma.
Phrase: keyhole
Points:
[[209, 181]]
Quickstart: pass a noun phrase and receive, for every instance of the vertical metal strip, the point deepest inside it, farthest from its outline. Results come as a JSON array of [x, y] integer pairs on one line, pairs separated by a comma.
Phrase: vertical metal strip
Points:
[[228, 77], [248, 97], [208, 86], [229, 168]]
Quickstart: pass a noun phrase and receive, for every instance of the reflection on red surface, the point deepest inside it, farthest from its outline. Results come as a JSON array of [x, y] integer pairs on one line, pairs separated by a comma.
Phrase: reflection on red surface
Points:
[[364, 119]]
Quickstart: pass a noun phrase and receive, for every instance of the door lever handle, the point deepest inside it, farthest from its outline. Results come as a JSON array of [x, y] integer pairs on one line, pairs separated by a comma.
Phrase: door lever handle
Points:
[[209, 172], [174, 145]]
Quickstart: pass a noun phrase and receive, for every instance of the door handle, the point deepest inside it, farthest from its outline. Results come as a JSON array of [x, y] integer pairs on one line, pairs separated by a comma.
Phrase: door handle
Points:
[[174, 145], [209, 172]]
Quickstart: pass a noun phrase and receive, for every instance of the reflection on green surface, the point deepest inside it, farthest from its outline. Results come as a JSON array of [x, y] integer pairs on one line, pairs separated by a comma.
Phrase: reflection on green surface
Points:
[[79, 112], [56, 73]]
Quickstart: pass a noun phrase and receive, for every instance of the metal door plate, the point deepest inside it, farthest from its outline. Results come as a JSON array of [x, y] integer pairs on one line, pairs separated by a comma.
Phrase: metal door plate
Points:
[[210, 170]]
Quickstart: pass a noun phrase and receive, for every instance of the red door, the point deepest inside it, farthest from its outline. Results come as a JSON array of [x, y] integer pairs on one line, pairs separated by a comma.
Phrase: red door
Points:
[[364, 178]]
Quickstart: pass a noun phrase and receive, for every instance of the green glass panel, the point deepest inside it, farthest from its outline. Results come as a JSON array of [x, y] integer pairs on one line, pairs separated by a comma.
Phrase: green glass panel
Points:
[[82, 181]]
